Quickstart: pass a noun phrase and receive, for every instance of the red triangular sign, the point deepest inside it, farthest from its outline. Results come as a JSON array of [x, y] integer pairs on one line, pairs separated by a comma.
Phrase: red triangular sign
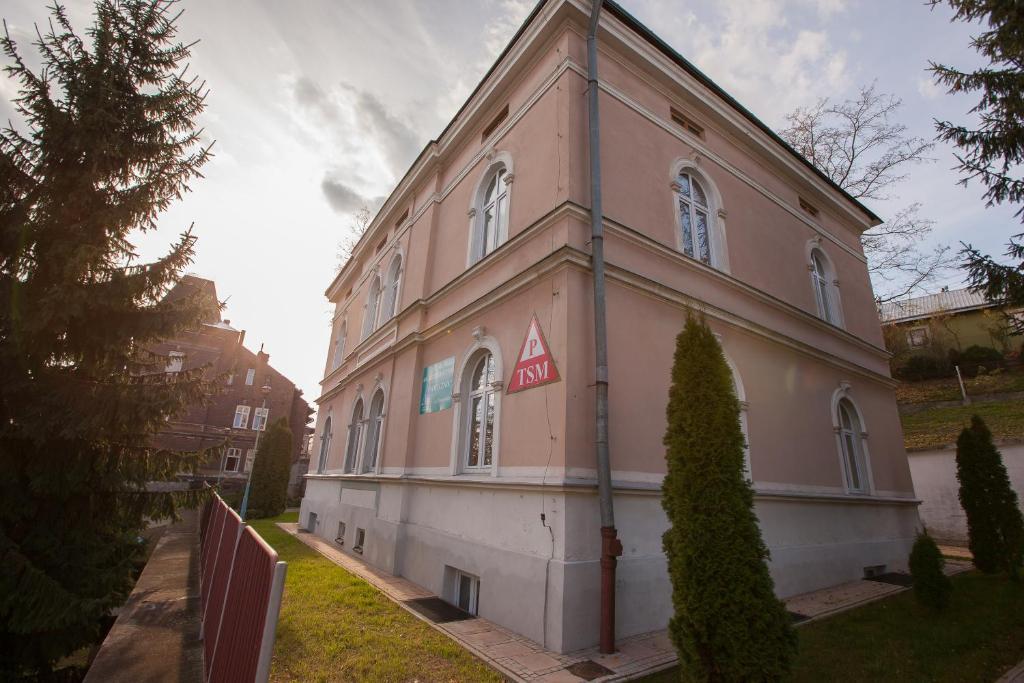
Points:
[[535, 366]]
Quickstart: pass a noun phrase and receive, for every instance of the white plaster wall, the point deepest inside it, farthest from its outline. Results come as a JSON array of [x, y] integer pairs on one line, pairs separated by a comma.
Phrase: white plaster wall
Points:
[[935, 483], [545, 584]]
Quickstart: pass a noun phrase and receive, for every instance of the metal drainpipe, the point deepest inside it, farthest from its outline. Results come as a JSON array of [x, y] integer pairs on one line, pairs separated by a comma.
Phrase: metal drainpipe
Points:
[[611, 547]]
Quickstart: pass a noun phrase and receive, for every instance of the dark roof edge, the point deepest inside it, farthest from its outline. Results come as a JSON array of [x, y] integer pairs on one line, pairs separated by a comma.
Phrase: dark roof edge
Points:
[[647, 34]]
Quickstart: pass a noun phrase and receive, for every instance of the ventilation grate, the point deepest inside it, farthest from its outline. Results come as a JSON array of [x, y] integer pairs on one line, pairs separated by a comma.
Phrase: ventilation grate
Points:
[[437, 610]]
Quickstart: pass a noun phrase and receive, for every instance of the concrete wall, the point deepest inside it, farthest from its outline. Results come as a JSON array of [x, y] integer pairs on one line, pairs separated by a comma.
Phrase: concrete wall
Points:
[[934, 473]]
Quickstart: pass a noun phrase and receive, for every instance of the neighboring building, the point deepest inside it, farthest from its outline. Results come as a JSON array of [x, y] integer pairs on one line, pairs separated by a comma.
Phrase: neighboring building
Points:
[[438, 459], [234, 416], [951, 319]]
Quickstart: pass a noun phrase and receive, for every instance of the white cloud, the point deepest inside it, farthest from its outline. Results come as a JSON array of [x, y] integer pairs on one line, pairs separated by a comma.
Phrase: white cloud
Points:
[[928, 89]]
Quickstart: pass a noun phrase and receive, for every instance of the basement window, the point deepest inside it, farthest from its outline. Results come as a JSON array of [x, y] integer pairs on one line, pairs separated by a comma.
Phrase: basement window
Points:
[[687, 123], [360, 539], [495, 122], [340, 540], [311, 522], [808, 207], [873, 571], [467, 592]]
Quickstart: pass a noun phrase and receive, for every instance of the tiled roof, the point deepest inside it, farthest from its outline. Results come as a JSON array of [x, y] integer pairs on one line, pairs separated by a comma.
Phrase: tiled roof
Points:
[[931, 304]]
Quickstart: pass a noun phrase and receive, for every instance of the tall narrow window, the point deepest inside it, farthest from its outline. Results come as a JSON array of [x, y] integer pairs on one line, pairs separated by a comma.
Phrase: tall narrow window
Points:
[[822, 280], [694, 218], [480, 436], [492, 214], [241, 417], [250, 376], [231, 459], [250, 458], [391, 285], [850, 441], [372, 308], [355, 433], [374, 422], [259, 419], [325, 445], [339, 344]]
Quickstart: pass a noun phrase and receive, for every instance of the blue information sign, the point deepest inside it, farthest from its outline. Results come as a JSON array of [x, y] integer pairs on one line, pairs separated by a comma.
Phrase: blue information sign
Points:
[[436, 392]]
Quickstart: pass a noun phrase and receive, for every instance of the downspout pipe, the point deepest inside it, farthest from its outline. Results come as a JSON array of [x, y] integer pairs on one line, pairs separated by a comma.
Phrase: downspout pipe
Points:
[[611, 547]]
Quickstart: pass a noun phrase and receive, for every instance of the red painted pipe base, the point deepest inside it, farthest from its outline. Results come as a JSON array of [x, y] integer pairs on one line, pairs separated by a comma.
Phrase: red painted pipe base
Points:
[[611, 548]]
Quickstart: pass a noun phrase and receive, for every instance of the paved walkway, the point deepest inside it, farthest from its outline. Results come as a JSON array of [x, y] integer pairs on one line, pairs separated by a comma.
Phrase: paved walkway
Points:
[[156, 635], [521, 659]]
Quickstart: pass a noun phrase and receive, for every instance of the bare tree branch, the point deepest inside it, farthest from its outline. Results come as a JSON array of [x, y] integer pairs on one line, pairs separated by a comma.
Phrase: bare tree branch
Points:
[[862, 149], [355, 230]]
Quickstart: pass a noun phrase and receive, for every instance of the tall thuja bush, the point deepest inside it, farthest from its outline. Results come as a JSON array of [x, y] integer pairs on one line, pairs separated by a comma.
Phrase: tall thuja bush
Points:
[[995, 527], [106, 141], [728, 624], [269, 487]]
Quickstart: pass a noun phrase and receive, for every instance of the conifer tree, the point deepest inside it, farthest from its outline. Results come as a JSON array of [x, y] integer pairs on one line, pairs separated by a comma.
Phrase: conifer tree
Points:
[[995, 527], [991, 150], [106, 140], [932, 587], [728, 624], [268, 493]]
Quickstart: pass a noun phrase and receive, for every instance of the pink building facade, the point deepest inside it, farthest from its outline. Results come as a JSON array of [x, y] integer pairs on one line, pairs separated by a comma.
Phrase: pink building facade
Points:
[[426, 465]]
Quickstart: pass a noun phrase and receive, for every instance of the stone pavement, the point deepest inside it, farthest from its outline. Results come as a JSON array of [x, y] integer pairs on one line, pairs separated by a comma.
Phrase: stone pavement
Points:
[[521, 659], [156, 635]]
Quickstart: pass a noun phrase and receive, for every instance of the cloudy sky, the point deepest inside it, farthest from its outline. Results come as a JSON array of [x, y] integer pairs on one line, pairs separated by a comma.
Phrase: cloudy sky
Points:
[[319, 106]]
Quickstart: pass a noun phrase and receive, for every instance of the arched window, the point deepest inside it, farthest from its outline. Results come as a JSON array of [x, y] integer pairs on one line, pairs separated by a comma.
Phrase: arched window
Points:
[[490, 215], [374, 423], [339, 344], [851, 438], [391, 285], [325, 446], [372, 308], [478, 449], [695, 218], [355, 434], [826, 295]]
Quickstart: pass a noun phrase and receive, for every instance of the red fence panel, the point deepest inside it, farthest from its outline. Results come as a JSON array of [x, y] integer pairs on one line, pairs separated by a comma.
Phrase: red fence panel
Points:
[[209, 550], [219, 577], [241, 651]]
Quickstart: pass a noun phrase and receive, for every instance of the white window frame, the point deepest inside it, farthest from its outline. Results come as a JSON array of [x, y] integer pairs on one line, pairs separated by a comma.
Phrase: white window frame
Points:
[[250, 375], [371, 310], [860, 458], [716, 214], [473, 603], [339, 344], [325, 446], [230, 453], [263, 416], [462, 406], [175, 362], [354, 436], [824, 284], [373, 433], [392, 285], [917, 329], [500, 168], [741, 397], [241, 411]]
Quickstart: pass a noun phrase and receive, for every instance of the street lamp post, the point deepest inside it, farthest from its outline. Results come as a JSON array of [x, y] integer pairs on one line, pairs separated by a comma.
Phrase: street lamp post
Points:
[[265, 389]]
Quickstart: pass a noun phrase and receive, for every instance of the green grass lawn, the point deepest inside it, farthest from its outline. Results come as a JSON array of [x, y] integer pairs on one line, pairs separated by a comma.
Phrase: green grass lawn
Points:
[[336, 627], [979, 638], [939, 426]]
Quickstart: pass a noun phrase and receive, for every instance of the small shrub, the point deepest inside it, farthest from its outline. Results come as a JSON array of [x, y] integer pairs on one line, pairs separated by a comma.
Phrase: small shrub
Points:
[[918, 368], [931, 586]]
